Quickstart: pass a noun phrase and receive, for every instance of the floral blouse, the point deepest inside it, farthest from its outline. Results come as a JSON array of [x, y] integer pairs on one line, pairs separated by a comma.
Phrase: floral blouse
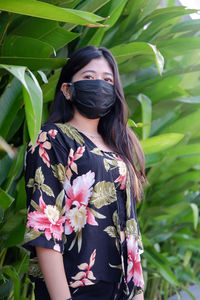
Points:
[[79, 198]]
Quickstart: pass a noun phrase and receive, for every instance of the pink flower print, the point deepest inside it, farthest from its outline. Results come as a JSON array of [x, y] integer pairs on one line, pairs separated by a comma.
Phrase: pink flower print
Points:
[[47, 219], [122, 173], [71, 165], [78, 195], [86, 275], [53, 133], [43, 153], [134, 271], [44, 145]]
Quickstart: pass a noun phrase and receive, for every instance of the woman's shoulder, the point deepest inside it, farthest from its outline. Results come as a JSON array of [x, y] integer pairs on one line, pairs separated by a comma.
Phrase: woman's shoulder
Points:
[[62, 133]]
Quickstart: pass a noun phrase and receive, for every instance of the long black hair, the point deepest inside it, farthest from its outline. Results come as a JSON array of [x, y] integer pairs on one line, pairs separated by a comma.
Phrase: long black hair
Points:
[[112, 127]]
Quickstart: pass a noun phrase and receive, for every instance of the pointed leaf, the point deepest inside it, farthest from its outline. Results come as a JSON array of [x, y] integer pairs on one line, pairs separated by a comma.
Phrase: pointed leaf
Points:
[[161, 142], [146, 114], [48, 11]]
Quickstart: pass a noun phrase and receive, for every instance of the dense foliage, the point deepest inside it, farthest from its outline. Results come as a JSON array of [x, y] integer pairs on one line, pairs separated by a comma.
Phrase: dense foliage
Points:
[[157, 50]]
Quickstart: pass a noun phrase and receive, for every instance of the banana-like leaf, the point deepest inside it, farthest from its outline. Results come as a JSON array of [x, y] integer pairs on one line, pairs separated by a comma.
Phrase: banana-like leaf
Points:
[[89, 6], [115, 11], [188, 124], [178, 46], [12, 46], [6, 200], [10, 103], [126, 51], [186, 26], [47, 31], [161, 264], [184, 150], [33, 63], [146, 114], [161, 142], [48, 11], [159, 19], [48, 89], [142, 85], [32, 98]]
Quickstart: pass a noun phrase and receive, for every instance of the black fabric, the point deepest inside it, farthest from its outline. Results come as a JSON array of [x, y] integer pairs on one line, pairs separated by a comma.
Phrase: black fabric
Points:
[[78, 199]]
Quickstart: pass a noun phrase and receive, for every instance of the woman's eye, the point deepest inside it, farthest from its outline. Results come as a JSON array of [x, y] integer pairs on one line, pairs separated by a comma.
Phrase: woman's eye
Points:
[[108, 80], [88, 77]]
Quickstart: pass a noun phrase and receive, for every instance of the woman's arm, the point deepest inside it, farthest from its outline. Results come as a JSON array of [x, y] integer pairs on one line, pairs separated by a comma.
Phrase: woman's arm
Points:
[[52, 267]]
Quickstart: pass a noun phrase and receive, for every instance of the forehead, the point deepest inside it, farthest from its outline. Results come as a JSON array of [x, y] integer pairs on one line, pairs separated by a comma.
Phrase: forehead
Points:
[[98, 65]]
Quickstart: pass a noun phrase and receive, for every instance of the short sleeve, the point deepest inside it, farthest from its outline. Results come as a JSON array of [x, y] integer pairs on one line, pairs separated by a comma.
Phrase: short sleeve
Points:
[[45, 169]]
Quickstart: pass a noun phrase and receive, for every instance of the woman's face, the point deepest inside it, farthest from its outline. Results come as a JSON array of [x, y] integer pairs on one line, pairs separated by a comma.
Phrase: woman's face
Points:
[[95, 69]]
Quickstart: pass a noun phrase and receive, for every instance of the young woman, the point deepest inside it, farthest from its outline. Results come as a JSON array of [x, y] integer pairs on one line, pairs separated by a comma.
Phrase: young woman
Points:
[[83, 178]]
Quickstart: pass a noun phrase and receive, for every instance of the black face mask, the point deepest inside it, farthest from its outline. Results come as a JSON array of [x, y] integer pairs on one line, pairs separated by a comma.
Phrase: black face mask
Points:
[[93, 98]]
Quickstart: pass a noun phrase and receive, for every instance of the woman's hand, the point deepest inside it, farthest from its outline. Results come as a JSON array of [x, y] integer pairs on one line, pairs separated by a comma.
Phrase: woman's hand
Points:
[[139, 297]]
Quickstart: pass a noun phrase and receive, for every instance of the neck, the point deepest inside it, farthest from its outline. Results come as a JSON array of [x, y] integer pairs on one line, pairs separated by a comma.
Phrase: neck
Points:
[[83, 123]]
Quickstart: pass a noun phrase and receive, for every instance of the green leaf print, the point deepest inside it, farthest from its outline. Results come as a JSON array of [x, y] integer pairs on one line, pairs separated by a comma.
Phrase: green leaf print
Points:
[[39, 177], [106, 164], [117, 267], [97, 151], [116, 221], [30, 235], [59, 171], [111, 231], [59, 202], [35, 205], [131, 227], [71, 132], [97, 214], [47, 190], [30, 183], [104, 193]]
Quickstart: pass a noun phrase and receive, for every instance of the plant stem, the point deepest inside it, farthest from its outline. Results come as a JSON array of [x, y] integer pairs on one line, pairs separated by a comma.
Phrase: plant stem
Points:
[[2, 256], [6, 28]]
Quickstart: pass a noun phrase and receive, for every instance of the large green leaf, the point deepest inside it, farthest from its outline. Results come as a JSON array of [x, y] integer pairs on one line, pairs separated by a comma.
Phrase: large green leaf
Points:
[[47, 11], [161, 265], [32, 98], [185, 26], [161, 142], [158, 19], [10, 102], [142, 85], [188, 124], [115, 11], [146, 114], [125, 51], [6, 200], [46, 31], [134, 12], [180, 165], [12, 46], [89, 6], [48, 89], [184, 150], [178, 46], [34, 63]]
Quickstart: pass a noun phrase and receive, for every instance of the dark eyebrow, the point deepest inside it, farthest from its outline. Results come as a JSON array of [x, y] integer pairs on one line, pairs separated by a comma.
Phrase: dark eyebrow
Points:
[[92, 71]]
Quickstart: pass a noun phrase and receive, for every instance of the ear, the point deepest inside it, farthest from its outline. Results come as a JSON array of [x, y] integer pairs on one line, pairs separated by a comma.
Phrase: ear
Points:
[[66, 89]]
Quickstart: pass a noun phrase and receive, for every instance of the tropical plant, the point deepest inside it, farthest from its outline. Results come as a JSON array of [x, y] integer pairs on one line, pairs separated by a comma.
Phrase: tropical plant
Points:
[[158, 52]]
